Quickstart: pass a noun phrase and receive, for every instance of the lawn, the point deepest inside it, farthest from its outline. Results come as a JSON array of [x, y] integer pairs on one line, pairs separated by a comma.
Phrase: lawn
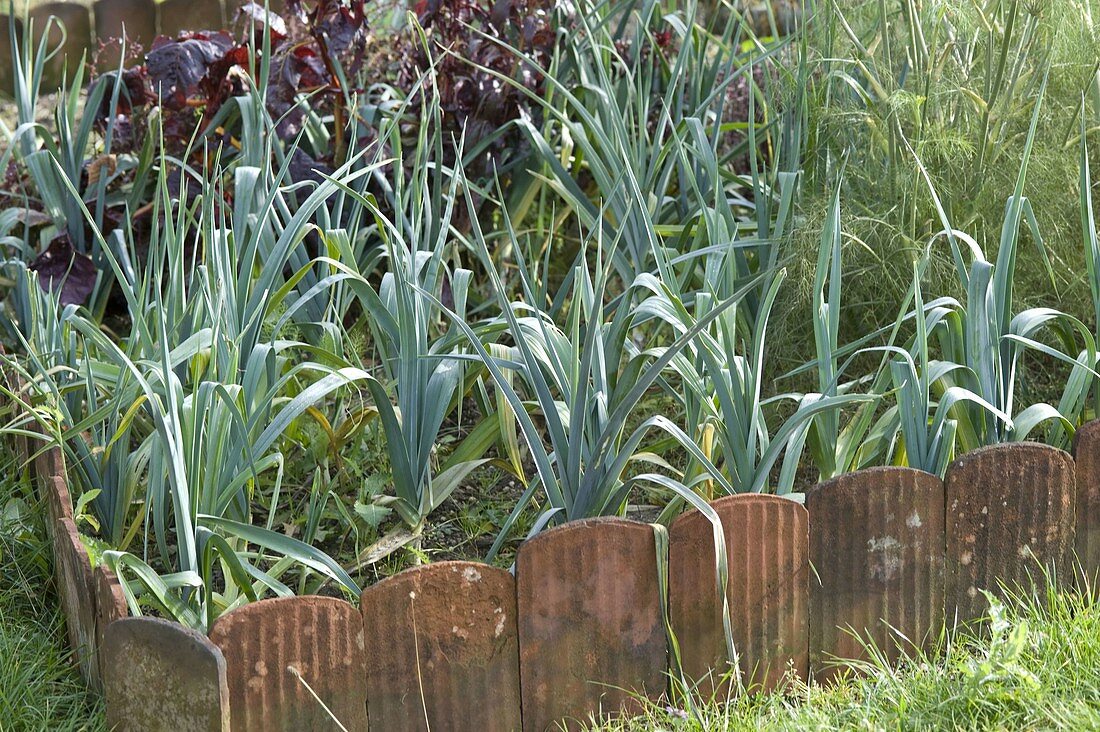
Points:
[[40, 689], [1038, 667]]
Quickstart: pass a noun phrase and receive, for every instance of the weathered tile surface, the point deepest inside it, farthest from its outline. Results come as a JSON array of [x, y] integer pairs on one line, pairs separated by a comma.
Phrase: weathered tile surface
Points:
[[767, 591], [162, 676], [1010, 518], [49, 463], [59, 504], [590, 626], [76, 589], [137, 17], [442, 650], [272, 646], [877, 549], [77, 36], [190, 15], [1086, 454], [110, 605]]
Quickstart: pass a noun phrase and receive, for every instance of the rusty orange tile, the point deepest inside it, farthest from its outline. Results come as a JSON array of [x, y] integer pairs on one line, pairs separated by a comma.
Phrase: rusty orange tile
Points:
[[590, 626], [161, 675], [442, 650], [767, 592], [1010, 518], [877, 552], [271, 646], [49, 463], [59, 504]]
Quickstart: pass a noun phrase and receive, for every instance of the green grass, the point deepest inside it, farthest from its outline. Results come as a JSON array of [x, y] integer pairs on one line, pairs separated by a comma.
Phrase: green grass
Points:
[[1038, 668], [39, 688], [889, 213]]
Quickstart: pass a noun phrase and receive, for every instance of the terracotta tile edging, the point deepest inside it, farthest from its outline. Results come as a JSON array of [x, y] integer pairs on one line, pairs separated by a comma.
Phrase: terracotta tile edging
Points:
[[767, 593], [91, 596], [294, 663], [877, 543], [592, 638], [100, 601], [1011, 519], [164, 676], [97, 611], [442, 648], [1086, 456], [75, 585]]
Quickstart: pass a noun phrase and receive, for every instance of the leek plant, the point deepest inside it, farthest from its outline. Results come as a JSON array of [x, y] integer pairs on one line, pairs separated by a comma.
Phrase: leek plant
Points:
[[966, 398], [85, 408], [721, 386], [620, 109], [924, 422], [988, 339], [188, 411], [1075, 398], [934, 397], [426, 377], [722, 370], [836, 446], [585, 380], [843, 440], [904, 90], [56, 161]]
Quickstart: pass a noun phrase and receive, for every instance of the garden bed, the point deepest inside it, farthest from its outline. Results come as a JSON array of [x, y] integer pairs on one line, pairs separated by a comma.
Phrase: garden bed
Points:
[[673, 335], [485, 646]]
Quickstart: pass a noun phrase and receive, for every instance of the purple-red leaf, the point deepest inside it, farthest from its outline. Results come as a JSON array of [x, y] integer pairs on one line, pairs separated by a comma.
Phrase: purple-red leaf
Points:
[[254, 13], [177, 66], [62, 267]]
